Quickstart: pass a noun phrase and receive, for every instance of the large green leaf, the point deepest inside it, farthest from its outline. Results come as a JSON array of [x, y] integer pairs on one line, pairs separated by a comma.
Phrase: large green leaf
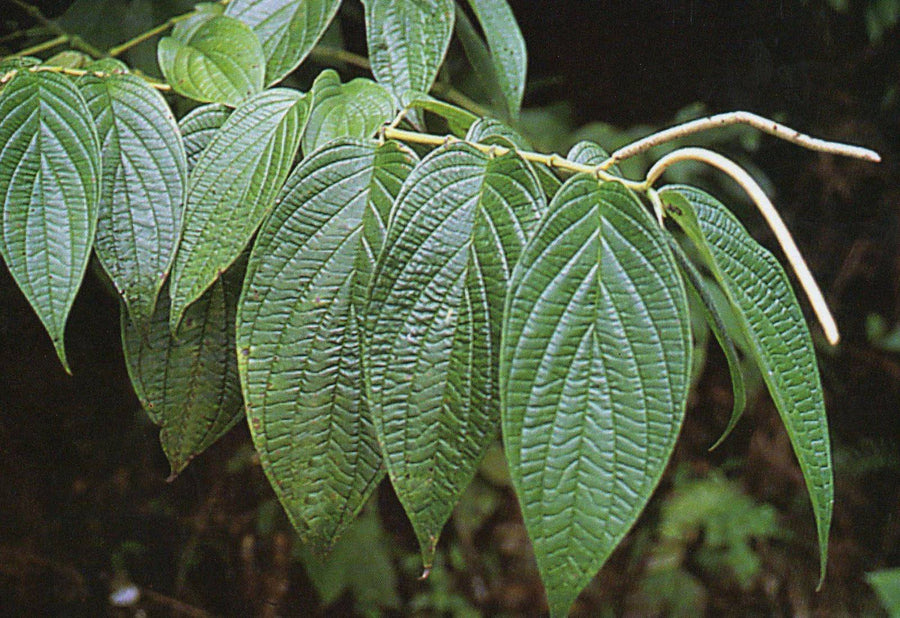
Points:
[[299, 333], [407, 41], [355, 109], [776, 334], [142, 188], [199, 127], [49, 186], [288, 30], [232, 188], [187, 384], [435, 313], [595, 370], [220, 61], [507, 49]]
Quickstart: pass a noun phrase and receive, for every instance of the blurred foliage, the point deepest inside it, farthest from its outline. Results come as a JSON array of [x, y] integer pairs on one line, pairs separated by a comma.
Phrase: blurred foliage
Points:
[[887, 586]]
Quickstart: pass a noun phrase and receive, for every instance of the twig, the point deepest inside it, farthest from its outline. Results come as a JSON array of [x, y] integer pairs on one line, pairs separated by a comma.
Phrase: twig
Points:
[[35, 49], [76, 42], [773, 219], [140, 38], [757, 122], [75, 73]]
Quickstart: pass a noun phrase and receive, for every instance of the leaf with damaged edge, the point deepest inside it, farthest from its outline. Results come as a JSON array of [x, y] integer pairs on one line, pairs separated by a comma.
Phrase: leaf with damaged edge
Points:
[[142, 189], [776, 333], [233, 187], [594, 370], [433, 329], [299, 334], [50, 185]]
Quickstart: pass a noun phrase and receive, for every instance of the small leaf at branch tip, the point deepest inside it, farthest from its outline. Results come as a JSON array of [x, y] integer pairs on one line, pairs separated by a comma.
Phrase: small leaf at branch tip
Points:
[[427, 571]]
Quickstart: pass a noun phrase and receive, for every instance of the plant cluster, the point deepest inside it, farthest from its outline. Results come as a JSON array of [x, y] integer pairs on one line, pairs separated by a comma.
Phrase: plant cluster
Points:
[[377, 299]]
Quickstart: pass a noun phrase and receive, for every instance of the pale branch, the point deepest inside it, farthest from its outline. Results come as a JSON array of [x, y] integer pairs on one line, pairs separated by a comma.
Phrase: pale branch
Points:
[[75, 73], [772, 218], [757, 122]]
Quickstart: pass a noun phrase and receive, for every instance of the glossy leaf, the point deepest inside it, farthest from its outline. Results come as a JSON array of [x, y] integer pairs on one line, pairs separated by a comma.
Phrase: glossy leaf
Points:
[[507, 49], [287, 30], [50, 185], [232, 188], [407, 41], [142, 189], [299, 335], [199, 127], [220, 61], [776, 334], [590, 153], [435, 313], [355, 109], [595, 370], [188, 384]]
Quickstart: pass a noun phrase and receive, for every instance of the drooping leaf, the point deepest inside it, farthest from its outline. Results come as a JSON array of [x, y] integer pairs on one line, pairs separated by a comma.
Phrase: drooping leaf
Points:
[[407, 41], [142, 188], [188, 384], [433, 333], [355, 109], [299, 334], [595, 369], [716, 322], [776, 334], [49, 186], [219, 61], [507, 49], [458, 119], [288, 30], [232, 188], [199, 127]]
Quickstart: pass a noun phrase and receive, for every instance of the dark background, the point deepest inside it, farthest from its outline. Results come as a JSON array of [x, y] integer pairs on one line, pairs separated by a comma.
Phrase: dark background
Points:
[[83, 496]]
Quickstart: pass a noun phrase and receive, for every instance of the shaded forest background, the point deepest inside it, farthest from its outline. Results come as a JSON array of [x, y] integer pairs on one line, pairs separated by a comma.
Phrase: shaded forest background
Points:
[[85, 512]]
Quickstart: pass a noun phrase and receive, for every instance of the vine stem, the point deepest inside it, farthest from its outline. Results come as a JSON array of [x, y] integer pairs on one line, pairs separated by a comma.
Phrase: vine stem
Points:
[[550, 160], [757, 122], [34, 49], [75, 73], [772, 218]]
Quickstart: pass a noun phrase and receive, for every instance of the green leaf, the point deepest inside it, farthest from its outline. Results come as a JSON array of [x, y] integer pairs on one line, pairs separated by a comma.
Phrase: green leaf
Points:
[[407, 41], [435, 312], [776, 334], [590, 153], [355, 109], [199, 127], [458, 119], [299, 336], [886, 584], [479, 56], [717, 325], [69, 59], [220, 61], [188, 384], [507, 49], [232, 188], [50, 184], [288, 30], [142, 188], [594, 371], [203, 12]]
